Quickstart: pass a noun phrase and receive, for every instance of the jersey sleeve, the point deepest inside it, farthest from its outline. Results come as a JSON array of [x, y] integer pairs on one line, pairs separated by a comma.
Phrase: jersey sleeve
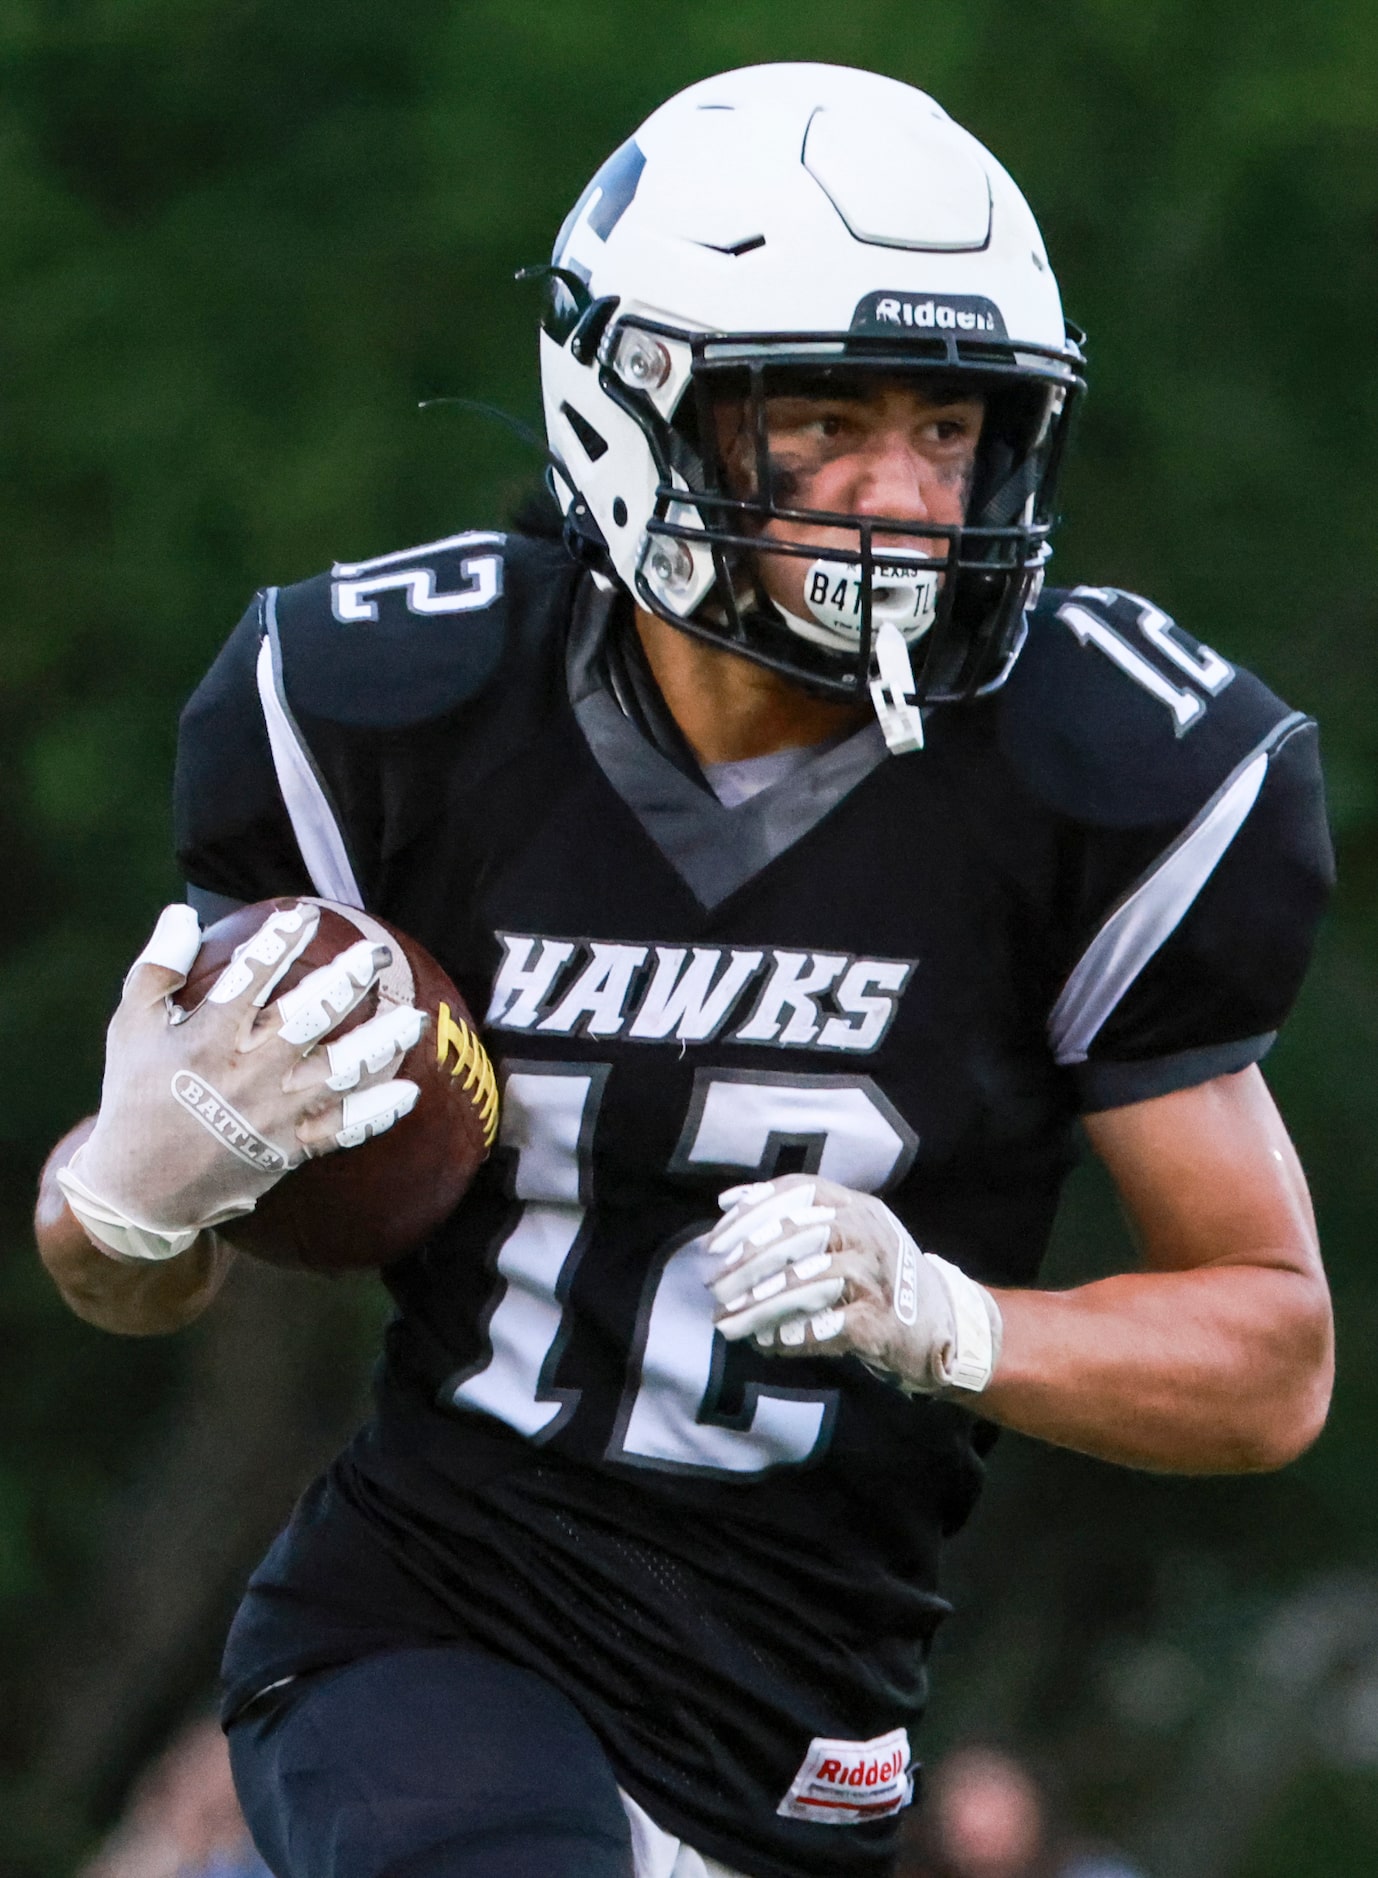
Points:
[[1192, 971], [233, 833], [311, 749], [1197, 857]]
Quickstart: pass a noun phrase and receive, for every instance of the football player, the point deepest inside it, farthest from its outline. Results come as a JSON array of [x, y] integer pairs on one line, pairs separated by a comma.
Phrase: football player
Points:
[[819, 869]]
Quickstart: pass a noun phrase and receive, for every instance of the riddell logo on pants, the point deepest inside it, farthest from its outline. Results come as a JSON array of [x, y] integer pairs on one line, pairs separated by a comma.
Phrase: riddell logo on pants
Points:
[[843, 1782]]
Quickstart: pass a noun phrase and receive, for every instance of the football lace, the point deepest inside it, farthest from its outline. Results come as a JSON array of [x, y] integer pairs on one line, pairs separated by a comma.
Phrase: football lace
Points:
[[473, 1063]]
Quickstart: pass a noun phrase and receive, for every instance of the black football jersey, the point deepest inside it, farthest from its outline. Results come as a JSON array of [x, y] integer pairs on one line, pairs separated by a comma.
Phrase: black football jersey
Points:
[[910, 974]]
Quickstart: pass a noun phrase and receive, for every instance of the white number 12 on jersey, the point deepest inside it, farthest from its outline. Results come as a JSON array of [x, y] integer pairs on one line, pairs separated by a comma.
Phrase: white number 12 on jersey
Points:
[[670, 1416]]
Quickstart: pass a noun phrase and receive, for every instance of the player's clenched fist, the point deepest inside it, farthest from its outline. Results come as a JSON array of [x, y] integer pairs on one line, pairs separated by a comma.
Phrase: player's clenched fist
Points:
[[203, 1111], [812, 1268]]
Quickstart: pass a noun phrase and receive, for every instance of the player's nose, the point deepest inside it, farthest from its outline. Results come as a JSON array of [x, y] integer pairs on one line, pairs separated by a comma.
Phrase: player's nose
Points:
[[892, 476]]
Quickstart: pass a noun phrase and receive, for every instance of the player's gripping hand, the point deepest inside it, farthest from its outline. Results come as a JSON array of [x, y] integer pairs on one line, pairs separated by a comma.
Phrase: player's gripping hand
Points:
[[202, 1112], [811, 1268]]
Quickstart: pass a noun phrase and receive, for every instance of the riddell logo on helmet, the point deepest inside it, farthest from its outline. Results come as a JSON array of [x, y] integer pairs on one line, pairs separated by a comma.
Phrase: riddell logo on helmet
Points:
[[963, 314], [843, 1782]]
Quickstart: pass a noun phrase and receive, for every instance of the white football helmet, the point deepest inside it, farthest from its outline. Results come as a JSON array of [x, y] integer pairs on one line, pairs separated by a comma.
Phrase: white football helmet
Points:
[[795, 226]]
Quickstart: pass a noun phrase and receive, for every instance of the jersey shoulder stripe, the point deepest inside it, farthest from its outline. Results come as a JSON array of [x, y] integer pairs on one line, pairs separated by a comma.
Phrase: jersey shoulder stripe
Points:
[[1148, 914]]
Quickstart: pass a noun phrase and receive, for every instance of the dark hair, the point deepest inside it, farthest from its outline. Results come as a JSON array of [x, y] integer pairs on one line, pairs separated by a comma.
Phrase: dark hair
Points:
[[537, 513]]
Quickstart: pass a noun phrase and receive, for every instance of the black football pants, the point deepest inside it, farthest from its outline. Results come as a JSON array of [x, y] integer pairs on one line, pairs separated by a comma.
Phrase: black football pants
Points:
[[440, 1762]]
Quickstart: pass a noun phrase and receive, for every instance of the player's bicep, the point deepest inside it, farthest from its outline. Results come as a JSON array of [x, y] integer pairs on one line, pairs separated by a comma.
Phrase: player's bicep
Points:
[[1208, 1176]]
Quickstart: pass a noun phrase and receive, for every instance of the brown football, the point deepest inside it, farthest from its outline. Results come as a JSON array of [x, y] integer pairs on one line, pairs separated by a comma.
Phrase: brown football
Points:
[[360, 1207]]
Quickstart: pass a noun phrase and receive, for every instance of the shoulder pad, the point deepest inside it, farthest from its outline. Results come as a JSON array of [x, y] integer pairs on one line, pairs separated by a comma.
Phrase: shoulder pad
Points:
[[406, 637], [1115, 717]]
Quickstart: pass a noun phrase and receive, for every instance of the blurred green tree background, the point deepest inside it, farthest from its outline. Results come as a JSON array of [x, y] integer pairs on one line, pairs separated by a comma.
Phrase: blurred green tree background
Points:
[[238, 243]]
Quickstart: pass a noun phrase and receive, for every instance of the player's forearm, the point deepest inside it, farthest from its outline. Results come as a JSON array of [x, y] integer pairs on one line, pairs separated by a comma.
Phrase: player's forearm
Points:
[[132, 1297], [1222, 1369]]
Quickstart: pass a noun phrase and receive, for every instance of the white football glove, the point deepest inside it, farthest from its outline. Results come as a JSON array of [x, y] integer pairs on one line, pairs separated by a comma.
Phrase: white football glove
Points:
[[202, 1112], [811, 1268]]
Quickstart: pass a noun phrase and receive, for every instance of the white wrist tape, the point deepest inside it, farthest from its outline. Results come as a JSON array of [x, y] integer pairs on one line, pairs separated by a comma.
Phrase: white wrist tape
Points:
[[969, 1361], [116, 1232]]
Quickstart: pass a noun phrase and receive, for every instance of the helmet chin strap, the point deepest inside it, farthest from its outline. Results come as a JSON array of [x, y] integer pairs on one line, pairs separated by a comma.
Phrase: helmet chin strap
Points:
[[904, 593], [893, 687], [893, 692]]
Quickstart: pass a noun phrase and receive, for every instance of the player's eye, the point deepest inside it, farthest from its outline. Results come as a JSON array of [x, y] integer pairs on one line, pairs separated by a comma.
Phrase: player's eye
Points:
[[805, 423], [954, 427]]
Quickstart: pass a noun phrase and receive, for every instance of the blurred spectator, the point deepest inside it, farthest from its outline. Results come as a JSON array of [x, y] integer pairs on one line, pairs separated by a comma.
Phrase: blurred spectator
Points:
[[985, 1817], [183, 1820]]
